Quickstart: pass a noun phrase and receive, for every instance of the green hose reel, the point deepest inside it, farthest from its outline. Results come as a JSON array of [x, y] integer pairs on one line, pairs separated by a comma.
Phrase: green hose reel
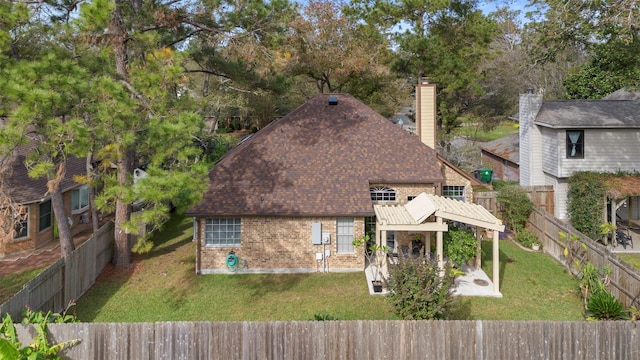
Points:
[[232, 260]]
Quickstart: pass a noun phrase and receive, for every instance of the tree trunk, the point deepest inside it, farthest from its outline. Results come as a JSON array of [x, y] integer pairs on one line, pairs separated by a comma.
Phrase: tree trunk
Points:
[[122, 255], [122, 251], [64, 229], [95, 224]]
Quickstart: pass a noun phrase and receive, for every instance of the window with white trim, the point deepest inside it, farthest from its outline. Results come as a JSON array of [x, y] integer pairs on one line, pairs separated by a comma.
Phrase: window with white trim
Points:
[[21, 225], [454, 192], [45, 218], [575, 144], [80, 198], [382, 193], [222, 232], [344, 235]]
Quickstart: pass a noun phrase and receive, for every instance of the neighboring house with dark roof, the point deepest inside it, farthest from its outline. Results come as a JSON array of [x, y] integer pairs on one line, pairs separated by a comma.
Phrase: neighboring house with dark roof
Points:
[[305, 186], [36, 229], [503, 157], [558, 138]]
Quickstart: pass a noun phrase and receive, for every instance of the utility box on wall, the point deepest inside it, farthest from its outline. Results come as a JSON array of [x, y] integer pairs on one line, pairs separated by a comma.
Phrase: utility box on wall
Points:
[[316, 233], [326, 238]]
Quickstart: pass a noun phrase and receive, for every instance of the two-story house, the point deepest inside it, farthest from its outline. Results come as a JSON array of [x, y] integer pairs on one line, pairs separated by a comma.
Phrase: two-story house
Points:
[[560, 137]]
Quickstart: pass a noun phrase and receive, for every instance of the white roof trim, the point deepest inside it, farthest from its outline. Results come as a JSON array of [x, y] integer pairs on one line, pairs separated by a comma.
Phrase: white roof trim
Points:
[[424, 205]]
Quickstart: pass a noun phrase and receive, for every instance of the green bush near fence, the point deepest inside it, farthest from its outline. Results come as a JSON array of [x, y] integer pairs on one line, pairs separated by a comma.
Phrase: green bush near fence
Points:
[[585, 202], [516, 206]]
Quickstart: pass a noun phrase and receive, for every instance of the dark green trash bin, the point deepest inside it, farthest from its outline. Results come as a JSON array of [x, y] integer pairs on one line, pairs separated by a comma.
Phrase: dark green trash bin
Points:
[[485, 175]]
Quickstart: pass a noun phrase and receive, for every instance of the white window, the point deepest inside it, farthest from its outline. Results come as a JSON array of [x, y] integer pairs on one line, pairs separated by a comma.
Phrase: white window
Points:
[[382, 193], [222, 232], [21, 225], [575, 144], [80, 198], [344, 231], [454, 192], [44, 221]]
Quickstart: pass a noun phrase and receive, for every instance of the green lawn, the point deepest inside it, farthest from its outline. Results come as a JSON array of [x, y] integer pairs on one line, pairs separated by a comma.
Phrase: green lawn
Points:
[[162, 286], [534, 287], [11, 284], [632, 259], [475, 132]]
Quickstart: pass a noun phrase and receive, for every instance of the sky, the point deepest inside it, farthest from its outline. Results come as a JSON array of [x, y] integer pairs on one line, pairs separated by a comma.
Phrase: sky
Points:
[[489, 6]]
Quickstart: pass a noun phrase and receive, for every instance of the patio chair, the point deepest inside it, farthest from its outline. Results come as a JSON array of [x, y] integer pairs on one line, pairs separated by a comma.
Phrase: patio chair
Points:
[[623, 238]]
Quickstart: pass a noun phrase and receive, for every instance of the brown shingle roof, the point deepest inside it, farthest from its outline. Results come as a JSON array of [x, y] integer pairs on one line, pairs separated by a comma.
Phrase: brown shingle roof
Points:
[[318, 160], [507, 147], [24, 189]]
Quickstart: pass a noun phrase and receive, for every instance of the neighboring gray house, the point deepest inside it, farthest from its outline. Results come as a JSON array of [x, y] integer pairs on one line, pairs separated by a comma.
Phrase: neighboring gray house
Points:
[[560, 137]]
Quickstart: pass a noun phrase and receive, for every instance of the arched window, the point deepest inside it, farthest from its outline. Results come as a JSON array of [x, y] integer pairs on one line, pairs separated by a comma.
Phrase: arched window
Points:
[[382, 193]]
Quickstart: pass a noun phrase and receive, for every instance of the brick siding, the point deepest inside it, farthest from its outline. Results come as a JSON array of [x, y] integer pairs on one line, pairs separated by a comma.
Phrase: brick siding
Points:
[[281, 244]]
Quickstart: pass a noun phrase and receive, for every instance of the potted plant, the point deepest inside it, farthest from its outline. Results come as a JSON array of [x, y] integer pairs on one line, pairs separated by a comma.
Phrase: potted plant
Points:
[[376, 256], [535, 245]]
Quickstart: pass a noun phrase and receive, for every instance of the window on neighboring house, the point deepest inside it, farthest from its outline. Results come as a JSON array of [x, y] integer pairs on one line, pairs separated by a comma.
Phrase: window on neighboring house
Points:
[[22, 225], [80, 198], [344, 231], [409, 198], [575, 144], [222, 232], [454, 192], [44, 221], [382, 193]]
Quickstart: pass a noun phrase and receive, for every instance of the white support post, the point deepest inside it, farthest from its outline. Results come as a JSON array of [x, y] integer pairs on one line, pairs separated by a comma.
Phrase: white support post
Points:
[[439, 248], [496, 262], [479, 231]]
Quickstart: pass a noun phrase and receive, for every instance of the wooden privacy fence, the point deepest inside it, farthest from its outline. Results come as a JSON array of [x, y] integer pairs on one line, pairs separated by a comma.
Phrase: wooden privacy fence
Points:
[[625, 279], [361, 339], [67, 279], [541, 196]]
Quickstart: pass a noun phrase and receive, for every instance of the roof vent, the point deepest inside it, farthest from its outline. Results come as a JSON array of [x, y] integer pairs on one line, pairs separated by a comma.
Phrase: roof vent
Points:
[[333, 100]]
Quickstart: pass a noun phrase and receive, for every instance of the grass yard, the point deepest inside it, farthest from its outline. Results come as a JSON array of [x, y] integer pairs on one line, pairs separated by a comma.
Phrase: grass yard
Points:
[[475, 132], [162, 286], [11, 284], [632, 259], [534, 287]]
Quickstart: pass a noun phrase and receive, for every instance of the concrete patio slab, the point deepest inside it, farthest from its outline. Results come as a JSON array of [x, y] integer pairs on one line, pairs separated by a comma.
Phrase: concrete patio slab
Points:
[[473, 283]]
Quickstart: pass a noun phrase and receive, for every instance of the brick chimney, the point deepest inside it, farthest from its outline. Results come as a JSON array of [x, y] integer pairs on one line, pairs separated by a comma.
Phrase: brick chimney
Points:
[[426, 112]]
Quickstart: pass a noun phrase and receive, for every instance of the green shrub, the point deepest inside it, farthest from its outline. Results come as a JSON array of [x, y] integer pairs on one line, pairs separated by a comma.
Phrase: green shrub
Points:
[[590, 281], [418, 292], [501, 184], [324, 317], [459, 246], [604, 306], [526, 238], [585, 202], [516, 206]]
